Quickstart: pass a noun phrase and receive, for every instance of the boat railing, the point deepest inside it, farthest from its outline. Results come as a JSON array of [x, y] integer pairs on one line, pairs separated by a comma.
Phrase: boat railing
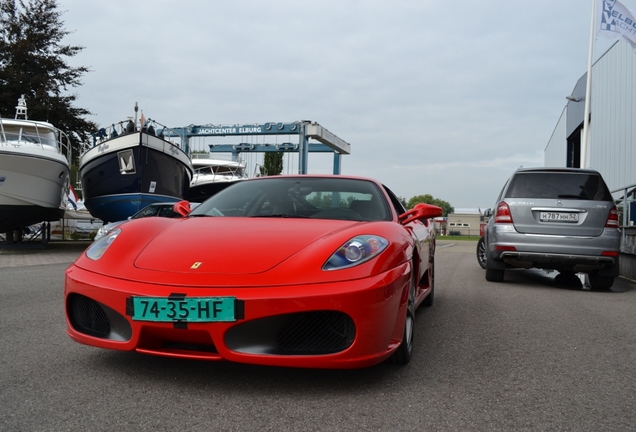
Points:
[[65, 145], [22, 133], [218, 173], [220, 168], [124, 127]]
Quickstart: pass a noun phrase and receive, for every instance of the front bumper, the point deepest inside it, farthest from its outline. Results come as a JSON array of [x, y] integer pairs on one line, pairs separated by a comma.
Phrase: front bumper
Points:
[[349, 324]]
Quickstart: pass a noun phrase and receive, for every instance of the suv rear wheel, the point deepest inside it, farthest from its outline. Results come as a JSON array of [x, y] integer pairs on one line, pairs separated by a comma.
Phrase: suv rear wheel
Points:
[[600, 283], [494, 270], [481, 252], [494, 275]]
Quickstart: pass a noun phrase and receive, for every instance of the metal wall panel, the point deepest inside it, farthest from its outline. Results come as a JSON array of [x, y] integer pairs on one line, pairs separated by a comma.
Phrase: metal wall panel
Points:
[[554, 154], [612, 137], [613, 111]]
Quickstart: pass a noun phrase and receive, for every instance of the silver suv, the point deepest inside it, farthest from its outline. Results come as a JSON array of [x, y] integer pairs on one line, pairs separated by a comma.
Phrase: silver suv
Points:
[[560, 219]]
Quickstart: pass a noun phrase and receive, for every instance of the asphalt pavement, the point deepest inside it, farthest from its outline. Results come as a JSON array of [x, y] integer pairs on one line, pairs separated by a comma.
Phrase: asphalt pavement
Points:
[[526, 354], [30, 254]]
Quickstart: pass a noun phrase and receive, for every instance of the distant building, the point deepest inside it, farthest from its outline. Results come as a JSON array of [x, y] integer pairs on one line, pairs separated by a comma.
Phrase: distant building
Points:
[[439, 223], [464, 222]]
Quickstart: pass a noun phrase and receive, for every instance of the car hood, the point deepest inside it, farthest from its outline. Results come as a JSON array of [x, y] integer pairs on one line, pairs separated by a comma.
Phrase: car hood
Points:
[[226, 245], [240, 252]]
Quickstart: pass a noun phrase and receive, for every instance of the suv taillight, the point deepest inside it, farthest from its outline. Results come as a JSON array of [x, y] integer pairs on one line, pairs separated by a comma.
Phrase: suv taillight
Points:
[[612, 219], [503, 213]]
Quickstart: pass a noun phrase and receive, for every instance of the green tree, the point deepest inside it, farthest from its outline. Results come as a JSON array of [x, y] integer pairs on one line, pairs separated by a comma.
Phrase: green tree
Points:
[[33, 62], [428, 199], [327, 201], [272, 163]]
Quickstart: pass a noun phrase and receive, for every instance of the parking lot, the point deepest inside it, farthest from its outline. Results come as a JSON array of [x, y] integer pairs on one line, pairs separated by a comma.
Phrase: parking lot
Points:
[[524, 354]]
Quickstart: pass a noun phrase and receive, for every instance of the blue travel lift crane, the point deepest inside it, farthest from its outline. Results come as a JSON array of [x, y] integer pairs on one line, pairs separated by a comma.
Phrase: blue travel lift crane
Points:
[[305, 129]]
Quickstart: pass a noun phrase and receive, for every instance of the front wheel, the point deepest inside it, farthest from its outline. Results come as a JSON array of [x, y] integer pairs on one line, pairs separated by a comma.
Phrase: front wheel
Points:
[[428, 301], [481, 252], [405, 351]]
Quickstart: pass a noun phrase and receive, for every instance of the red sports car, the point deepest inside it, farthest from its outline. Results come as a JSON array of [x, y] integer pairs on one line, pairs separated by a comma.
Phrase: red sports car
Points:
[[317, 271]]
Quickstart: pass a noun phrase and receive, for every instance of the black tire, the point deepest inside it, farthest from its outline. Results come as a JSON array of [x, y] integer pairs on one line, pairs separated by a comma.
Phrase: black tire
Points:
[[405, 351], [494, 269], [428, 301], [494, 275], [481, 252], [600, 283]]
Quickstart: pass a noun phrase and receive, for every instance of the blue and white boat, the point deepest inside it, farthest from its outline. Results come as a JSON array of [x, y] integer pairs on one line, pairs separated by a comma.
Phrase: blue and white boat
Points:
[[128, 166]]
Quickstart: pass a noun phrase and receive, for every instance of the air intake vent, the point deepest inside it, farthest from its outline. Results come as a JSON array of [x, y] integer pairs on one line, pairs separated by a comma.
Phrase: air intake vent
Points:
[[322, 332], [87, 316]]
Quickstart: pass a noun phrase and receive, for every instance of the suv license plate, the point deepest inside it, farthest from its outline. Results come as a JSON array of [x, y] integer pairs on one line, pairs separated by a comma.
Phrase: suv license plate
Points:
[[558, 217]]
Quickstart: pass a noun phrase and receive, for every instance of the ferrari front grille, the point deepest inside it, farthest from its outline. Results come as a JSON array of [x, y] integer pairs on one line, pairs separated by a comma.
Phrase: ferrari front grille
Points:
[[320, 332], [87, 316]]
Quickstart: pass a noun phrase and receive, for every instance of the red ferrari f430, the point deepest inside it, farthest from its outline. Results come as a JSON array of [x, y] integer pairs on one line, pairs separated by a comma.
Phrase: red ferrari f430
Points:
[[316, 271]]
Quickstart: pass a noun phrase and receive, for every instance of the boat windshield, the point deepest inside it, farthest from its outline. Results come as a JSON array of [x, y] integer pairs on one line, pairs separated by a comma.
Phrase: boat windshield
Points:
[[29, 134], [229, 170]]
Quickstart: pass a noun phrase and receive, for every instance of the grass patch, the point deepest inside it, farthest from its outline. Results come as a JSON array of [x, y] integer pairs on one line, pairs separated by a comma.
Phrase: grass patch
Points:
[[470, 238]]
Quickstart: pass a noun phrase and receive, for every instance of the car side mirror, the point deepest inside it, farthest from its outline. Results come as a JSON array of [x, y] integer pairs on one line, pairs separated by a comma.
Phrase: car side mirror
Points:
[[419, 212], [182, 208], [488, 212]]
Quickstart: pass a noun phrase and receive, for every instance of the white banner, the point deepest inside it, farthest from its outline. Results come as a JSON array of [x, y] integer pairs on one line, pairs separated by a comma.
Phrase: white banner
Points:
[[615, 21]]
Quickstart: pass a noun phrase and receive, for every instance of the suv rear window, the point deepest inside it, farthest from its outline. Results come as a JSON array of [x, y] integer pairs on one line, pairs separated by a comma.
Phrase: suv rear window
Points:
[[558, 185]]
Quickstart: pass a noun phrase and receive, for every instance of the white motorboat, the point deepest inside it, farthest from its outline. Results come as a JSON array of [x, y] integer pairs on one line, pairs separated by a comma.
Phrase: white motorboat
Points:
[[212, 175], [34, 173]]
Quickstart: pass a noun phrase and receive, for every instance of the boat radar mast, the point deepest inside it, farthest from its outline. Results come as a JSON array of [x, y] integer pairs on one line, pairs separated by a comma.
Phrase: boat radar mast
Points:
[[21, 109]]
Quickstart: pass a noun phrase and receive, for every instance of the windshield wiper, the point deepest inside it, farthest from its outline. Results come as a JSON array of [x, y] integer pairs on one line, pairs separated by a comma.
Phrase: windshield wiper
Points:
[[280, 215]]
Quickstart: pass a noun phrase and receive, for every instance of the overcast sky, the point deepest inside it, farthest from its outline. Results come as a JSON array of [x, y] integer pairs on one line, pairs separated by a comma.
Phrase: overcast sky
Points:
[[445, 98]]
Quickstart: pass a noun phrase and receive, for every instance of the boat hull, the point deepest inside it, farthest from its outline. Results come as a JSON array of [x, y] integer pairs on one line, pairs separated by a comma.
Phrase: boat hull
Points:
[[33, 187], [124, 174]]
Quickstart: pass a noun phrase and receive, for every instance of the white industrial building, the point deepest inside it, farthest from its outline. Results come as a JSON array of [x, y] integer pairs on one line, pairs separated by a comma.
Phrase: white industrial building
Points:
[[611, 147], [612, 131]]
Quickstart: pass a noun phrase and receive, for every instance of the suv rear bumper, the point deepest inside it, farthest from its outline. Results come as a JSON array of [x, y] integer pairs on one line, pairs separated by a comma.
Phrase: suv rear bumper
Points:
[[563, 253], [574, 263]]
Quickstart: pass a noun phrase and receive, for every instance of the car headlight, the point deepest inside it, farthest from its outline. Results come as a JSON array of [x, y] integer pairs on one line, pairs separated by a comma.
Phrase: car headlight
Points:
[[97, 249], [356, 251]]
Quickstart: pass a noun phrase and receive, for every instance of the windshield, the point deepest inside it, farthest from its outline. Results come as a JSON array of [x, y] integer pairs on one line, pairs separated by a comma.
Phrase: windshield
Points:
[[30, 134], [306, 197]]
